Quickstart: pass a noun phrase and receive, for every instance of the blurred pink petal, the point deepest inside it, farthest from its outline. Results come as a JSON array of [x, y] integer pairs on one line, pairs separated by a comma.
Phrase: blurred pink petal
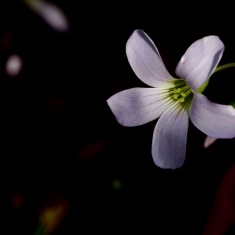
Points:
[[13, 65], [209, 141], [50, 13]]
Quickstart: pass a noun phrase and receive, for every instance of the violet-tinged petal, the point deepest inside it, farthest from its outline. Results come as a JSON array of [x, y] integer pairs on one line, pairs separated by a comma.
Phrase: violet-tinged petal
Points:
[[50, 13], [137, 106], [209, 141], [145, 59], [200, 60], [215, 120], [170, 138]]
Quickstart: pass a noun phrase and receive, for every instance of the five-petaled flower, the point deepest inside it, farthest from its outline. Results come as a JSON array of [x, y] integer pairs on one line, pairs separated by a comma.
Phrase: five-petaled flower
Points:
[[173, 100]]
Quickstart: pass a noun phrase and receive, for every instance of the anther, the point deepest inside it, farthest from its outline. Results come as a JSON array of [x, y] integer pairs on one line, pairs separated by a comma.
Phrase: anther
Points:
[[178, 90], [181, 100], [176, 96]]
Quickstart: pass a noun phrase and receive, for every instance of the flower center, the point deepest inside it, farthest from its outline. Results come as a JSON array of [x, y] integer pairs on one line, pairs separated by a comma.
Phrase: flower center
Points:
[[176, 93], [181, 92]]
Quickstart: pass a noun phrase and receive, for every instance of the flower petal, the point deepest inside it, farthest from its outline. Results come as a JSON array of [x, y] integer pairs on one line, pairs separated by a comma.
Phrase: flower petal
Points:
[[145, 59], [170, 138], [209, 141], [137, 106], [200, 60], [50, 13], [215, 120]]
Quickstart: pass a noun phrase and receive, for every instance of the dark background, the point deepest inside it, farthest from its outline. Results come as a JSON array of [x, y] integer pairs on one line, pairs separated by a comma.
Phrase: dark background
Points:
[[60, 138]]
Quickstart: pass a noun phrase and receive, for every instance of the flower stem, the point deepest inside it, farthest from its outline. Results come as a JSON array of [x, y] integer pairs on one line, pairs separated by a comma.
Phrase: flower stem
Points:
[[233, 104], [225, 66], [203, 87]]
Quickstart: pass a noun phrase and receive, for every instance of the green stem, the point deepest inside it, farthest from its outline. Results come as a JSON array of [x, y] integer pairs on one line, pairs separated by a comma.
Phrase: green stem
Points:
[[233, 104], [225, 66], [203, 87]]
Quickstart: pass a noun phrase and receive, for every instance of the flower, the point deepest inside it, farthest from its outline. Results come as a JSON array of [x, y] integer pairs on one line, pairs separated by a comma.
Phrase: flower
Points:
[[173, 100]]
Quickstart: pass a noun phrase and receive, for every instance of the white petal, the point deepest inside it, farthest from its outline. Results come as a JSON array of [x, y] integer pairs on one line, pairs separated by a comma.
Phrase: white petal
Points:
[[209, 141], [170, 138], [137, 106], [145, 59], [200, 60], [50, 13], [215, 120]]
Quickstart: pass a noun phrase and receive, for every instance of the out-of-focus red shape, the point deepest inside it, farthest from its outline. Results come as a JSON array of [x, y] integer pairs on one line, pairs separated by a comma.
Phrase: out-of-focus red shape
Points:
[[91, 149], [222, 215], [56, 102], [17, 200], [6, 40]]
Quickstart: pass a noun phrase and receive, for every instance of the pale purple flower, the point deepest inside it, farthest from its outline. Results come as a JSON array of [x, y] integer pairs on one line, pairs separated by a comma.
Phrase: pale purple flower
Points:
[[173, 100]]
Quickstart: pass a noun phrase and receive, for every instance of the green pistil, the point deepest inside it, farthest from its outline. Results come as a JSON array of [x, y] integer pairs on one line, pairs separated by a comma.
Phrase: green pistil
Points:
[[185, 88], [178, 82], [185, 94]]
